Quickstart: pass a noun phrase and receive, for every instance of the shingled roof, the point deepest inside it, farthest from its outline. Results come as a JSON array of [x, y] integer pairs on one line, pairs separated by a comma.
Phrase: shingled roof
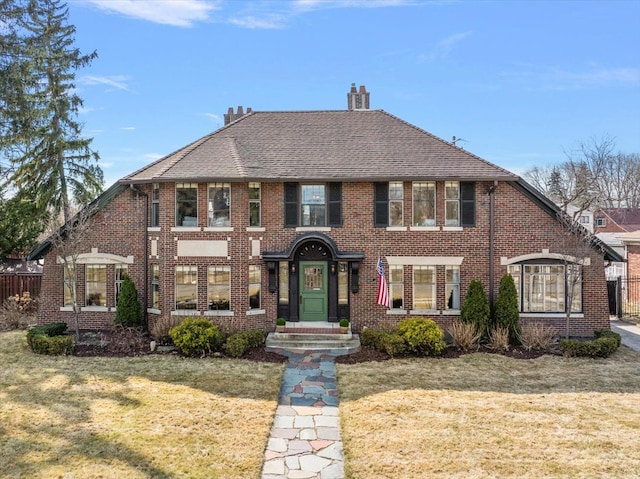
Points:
[[341, 145]]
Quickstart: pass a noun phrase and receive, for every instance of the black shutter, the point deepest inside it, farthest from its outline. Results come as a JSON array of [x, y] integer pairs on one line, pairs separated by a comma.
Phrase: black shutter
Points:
[[467, 203], [381, 204], [291, 204], [335, 204]]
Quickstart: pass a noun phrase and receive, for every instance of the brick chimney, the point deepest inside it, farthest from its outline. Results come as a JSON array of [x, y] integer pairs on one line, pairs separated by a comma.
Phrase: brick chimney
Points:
[[231, 116], [358, 100]]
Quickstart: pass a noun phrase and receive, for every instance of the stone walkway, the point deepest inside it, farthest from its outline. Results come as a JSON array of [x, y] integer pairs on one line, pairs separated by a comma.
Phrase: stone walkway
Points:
[[305, 438]]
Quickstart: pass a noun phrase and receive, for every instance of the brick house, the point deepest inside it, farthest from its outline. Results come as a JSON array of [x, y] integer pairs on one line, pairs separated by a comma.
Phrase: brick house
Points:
[[285, 214]]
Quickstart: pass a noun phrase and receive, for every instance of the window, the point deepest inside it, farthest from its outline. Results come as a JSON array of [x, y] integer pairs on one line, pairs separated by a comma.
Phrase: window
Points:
[[396, 201], [601, 222], [343, 283], [545, 288], [186, 287], [254, 286], [313, 205], [389, 200], [69, 283], [96, 285], [451, 203], [452, 286], [219, 288], [584, 219], [155, 286], [396, 286], [254, 204], [219, 200], [121, 270], [155, 205], [424, 287], [186, 204], [283, 282], [424, 203]]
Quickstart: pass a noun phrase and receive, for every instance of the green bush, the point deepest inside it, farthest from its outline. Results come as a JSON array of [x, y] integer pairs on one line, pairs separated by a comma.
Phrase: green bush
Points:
[[422, 336], [605, 333], [239, 343], [506, 311], [50, 339], [281, 322], [344, 323], [475, 309], [601, 347], [387, 342], [128, 310], [196, 337]]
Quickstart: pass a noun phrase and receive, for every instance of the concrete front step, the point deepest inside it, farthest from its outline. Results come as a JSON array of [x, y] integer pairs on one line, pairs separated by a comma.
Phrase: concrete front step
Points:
[[344, 343]]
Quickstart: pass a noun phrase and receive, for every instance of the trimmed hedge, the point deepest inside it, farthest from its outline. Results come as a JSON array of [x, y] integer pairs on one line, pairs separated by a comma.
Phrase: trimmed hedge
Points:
[[603, 346], [606, 333], [239, 343], [50, 339], [385, 341], [196, 337]]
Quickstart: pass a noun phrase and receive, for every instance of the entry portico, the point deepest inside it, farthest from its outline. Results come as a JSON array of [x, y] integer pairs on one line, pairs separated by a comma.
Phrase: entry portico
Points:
[[313, 278]]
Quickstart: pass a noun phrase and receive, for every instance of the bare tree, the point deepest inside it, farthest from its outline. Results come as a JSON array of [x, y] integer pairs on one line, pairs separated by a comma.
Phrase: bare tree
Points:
[[67, 241]]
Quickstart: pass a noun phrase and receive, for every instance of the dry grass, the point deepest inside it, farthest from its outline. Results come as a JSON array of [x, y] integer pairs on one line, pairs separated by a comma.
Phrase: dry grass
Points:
[[539, 337], [148, 417], [488, 416], [465, 336]]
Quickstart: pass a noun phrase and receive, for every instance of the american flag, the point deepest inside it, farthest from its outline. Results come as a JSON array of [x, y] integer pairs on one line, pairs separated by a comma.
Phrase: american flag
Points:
[[383, 291]]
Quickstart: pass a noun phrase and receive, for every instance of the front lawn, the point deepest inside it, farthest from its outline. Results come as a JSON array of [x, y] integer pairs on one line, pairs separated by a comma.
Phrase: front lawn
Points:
[[490, 416], [144, 417]]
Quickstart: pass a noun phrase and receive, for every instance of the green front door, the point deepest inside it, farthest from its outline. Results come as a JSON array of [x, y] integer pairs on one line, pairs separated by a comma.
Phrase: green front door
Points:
[[313, 291]]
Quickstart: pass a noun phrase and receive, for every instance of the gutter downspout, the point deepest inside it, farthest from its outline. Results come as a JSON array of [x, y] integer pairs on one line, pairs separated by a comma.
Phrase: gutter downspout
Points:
[[138, 192], [492, 235]]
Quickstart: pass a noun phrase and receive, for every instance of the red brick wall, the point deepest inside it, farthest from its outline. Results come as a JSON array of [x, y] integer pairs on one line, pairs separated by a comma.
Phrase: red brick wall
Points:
[[521, 227]]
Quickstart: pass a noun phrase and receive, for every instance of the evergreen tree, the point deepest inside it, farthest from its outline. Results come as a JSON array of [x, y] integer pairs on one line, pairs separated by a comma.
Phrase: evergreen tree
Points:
[[40, 132], [507, 313], [21, 224], [128, 310], [475, 309]]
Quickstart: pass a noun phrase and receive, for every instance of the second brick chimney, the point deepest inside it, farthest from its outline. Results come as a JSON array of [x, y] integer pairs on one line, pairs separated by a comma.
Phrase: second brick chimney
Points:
[[358, 100], [231, 116]]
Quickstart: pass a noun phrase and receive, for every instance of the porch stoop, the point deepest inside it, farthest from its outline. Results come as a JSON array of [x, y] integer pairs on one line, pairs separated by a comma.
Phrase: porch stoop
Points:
[[313, 337]]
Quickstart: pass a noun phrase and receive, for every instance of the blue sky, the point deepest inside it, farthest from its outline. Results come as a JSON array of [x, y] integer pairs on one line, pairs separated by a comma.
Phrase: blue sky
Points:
[[521, 82]]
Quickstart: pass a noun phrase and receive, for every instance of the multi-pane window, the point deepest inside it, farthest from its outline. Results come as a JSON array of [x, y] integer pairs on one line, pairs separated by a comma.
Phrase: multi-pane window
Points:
[[396, 286], [186, 204], [186, 292], [69, 284], [424, 203], [343, 283], [254, 204], [219, 288], [452, 286], [121, 271], [545, 288], [424, 287], [155, 286], [155, 205], [313, 205], [396, 200], [254, 286], [452, 203], [283, 282], [96, 285], [219, 203]]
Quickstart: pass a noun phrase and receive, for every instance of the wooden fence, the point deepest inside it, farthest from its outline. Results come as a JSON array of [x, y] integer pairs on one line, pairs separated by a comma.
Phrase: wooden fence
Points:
[[12, 284]]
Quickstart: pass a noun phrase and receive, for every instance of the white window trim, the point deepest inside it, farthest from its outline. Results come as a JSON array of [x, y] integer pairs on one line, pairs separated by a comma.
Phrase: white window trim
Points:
[[190, 186], [396, 228], [218, 312], [435, 207], [219, 229], [209, 286], [154, 311], [257, 229], [424, 228], [434, 291], [324, 229], [396, 200], [396, 312], [154, 229], [95, 309], [545, 254], [185, 229], [253, 312], [186, 312], [258, 201], [451, 200]]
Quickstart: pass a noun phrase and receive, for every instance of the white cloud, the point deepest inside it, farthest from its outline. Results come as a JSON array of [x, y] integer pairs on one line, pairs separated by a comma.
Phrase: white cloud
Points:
[[106, 164], [444, 47], [117, 82], [268, 22], [128, 128], [179, 13], [152, 156]]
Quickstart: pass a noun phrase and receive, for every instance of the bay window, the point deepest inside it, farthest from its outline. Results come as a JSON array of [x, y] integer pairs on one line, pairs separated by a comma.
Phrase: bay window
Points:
[[547, 287]]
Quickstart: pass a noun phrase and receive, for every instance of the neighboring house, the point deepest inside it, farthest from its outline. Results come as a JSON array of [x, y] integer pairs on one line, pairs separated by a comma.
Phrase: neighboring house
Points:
[[612, 225], [617, 220], [582, 216], [285, 214]]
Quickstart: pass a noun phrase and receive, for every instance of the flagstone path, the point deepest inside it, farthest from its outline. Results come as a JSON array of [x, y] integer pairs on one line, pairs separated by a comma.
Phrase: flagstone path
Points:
[[305, 437]]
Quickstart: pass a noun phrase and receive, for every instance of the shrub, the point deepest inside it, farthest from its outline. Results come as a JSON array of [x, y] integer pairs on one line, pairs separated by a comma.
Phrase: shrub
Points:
[[196, 337], [605, 333], [499, 339], [422, 336], [128, 310], [18, 312], [475, 309], [239, 343], [50, 339], [159, 328], [537, 336], [344, 323], [601, 347], [506, 311], [465, 336], [281, 322], [387, 342]]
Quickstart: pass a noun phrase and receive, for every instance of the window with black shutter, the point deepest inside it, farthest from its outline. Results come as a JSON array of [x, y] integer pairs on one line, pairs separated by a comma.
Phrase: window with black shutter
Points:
[[313, 205], [467, 203], [291, 204], [335, 204], [381, 204]]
